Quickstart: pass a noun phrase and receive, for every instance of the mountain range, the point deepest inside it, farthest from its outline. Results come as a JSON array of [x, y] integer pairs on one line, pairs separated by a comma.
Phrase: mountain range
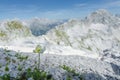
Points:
[[95, 38]]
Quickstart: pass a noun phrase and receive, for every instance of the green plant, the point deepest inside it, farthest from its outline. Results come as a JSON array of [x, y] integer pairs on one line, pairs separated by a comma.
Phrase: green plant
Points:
[[21, 57], [0, 65], [71, 73], [5, 77], [68, 69], [35, 74], [6, 68], [19, 68], [38, 50], [68, 78], [7, 58], [6, 50]]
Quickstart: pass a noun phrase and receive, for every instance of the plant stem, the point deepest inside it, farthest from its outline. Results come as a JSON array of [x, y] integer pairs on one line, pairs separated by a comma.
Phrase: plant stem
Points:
[[38, 60]]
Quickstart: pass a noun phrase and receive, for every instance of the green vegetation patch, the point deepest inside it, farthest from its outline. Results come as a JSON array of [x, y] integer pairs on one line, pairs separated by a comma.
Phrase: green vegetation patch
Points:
[[18, 28], [62, 36], [71, 73], [3, 34], [14, 25], [34, 74]]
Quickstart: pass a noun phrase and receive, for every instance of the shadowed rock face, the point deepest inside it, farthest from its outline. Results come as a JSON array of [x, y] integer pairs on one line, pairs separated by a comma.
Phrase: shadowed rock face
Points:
[[108, 77], [39, 27], [93, 76], [116, 68]]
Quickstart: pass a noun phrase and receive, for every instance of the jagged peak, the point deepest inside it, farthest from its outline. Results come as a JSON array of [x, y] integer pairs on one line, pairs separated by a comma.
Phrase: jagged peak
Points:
[[101, 16], [100, 13]]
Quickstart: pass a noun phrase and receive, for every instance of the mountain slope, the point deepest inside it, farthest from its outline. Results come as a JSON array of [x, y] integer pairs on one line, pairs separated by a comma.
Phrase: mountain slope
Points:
[[96, 34], [9, 30]]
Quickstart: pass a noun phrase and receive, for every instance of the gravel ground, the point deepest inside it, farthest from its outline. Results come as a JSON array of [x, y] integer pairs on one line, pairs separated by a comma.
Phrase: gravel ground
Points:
[[90, 69]]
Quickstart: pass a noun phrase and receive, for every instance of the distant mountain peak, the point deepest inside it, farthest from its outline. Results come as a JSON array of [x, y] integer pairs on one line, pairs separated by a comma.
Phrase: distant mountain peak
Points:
[[101, 16], [102, 11]]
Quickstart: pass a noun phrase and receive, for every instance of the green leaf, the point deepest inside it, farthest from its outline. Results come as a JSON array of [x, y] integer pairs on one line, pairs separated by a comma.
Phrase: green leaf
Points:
[[37, 49]]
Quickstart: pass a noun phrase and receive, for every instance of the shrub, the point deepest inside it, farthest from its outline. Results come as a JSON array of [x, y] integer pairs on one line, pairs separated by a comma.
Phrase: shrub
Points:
[[21, 57], [5, 77], [68, 69], [35, 74], [71, 73], [6, 68]]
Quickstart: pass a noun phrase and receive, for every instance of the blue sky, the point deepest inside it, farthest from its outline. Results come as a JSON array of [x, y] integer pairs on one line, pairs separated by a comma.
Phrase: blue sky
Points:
[[54, 9]]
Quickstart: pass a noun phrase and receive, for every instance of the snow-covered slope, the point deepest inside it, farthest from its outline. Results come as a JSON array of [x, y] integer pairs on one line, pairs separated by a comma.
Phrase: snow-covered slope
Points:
[[98, 33]]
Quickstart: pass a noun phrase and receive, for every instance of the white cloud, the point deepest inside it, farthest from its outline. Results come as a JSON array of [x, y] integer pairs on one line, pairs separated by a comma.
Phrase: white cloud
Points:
[[55, 14], [80, 5], [15, 9], [114, 3]]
